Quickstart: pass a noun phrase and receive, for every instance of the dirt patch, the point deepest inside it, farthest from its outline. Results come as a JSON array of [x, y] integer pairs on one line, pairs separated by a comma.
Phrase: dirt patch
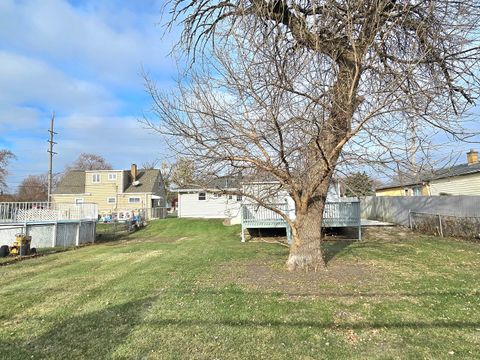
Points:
[[389, 233], [272, 276]]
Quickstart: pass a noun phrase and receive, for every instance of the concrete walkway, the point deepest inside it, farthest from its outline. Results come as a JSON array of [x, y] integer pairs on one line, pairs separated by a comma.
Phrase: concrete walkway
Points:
[[367, 222]]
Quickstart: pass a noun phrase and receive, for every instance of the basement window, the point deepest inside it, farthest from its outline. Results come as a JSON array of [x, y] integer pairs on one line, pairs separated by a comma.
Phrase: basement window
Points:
[[202, 196]]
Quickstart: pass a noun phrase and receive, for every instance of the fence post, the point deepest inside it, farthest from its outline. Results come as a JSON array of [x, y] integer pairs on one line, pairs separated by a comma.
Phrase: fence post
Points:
[[440, 224], [54, 234], [77, 237], [410, 219]]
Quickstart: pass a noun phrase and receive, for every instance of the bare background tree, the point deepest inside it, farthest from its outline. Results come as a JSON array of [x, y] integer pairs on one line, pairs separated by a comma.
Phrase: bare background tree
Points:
[[87, 161], [182, 173], [295, 90], [5, 157], [33, 188]]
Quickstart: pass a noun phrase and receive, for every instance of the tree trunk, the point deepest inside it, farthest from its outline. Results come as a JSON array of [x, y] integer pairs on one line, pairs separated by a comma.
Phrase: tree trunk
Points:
[[306, 251]]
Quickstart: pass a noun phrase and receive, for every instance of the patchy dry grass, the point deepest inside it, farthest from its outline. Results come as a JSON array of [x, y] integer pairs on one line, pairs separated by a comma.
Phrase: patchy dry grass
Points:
[[189, 289]]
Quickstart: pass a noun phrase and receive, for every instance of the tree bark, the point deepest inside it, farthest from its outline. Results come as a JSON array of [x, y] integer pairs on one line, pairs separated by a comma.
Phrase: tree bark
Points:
[[306, 251]]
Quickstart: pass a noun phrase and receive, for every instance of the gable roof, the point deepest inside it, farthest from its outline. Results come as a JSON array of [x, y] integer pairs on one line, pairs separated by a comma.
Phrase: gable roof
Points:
[[457, 170], [147, 179], [74, 182]]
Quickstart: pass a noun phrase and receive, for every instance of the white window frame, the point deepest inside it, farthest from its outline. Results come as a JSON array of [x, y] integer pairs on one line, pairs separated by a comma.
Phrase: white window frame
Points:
[[202, 196], [96, 177], [239, 197], [134, 202], [79, 201], [111, 202], [112, 176]]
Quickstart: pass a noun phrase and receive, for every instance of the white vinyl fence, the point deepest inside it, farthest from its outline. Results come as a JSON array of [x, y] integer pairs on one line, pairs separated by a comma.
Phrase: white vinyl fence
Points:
[[18, 212]]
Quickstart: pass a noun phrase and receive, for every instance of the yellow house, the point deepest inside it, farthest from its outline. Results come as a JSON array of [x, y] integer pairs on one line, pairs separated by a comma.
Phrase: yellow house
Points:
[[463, 179], [118, 192], [397, 189]]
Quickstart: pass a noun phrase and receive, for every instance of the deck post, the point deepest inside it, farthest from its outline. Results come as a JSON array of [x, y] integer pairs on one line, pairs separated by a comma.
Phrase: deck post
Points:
[[242, 209], [289, 234]]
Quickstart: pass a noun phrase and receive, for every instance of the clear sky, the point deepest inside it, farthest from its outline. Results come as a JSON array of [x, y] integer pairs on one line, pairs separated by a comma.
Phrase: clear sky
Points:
[[83, 60]]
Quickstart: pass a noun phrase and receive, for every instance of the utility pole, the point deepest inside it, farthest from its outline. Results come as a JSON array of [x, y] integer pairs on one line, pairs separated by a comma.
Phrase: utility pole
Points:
[[51, 153], [412, 147]]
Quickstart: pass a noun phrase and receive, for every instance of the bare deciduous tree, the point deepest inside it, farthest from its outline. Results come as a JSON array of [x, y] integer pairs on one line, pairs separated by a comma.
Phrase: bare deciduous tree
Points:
[[5, 157], [33, 188], [88, 161], [296, 89], [182, 172]]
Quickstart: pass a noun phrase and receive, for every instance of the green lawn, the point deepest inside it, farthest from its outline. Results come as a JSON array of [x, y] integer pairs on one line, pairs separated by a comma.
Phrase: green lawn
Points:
[[188, 289]]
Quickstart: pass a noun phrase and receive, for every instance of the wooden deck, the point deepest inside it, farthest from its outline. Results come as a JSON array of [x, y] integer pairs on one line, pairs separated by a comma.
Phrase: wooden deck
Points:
[[336, 214]]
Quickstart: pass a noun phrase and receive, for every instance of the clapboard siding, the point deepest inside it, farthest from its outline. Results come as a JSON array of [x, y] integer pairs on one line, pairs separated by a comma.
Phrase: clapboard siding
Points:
[[220, 208], [459, 185]]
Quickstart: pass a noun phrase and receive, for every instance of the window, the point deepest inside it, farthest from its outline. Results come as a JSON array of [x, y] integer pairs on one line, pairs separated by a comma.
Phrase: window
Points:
[[202, 196], [239, 197], [134, 200], [417, 191], [217, 195], [112, 176], [79, 201], [111, 200], [230, 197], [95, 178]]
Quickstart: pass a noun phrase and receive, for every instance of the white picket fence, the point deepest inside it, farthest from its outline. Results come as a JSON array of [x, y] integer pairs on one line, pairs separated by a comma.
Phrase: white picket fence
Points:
[[24, 212]]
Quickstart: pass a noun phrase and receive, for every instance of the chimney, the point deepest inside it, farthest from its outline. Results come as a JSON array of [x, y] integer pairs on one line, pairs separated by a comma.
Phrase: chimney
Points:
[[472, 157], [133, 171]]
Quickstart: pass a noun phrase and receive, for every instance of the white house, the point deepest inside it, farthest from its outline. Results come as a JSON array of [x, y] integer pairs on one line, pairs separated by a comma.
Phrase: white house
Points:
[[194, 202]]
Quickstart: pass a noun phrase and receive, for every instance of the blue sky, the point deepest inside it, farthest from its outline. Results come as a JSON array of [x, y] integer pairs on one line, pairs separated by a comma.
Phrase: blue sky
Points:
[[83, 60]]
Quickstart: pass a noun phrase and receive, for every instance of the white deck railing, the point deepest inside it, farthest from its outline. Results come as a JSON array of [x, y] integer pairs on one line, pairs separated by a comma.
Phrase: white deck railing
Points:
[[338, 213], [15, 212], [341, 213], [263, 217]]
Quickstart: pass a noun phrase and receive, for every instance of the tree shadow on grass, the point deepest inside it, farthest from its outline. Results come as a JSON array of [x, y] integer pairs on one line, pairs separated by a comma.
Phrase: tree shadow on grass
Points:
[[92, 335], [98, 334], [330, 249]]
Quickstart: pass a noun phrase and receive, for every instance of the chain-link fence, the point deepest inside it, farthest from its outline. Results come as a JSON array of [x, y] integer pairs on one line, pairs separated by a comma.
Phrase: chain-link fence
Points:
[[445, 225], [111, 231]]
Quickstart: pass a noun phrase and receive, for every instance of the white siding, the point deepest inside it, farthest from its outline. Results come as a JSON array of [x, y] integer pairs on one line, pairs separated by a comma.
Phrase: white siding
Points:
[[218, 208], [459, 185], [189, 206]]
